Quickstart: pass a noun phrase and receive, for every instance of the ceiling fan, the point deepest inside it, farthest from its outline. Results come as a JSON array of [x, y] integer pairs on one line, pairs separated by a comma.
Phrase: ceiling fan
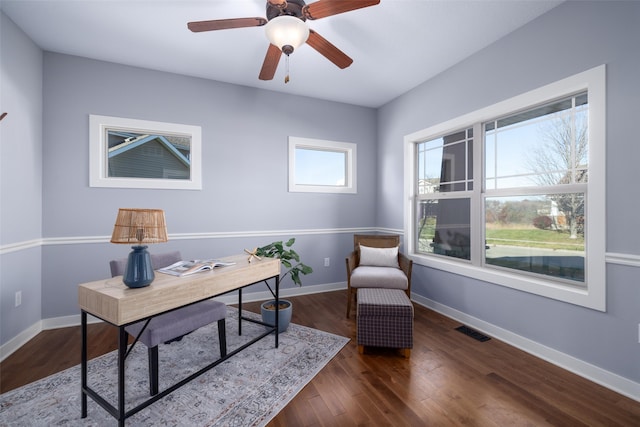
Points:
[[286, 29]]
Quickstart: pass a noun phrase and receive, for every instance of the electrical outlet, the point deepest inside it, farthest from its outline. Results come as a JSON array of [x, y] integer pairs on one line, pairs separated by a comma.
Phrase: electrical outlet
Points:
[[327, 262], [18, 298]]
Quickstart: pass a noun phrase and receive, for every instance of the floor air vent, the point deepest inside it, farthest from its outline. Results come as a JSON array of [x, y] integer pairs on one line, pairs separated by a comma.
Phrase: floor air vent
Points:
[[472, 333]]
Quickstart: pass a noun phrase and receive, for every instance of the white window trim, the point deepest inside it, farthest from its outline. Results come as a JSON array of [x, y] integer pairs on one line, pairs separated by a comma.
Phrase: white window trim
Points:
[[594, 295], [350, 150], [98, 149]]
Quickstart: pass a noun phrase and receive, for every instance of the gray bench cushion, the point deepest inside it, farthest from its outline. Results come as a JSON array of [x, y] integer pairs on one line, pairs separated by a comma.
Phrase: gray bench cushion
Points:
[[384, 302], [378, 277], [178, 322]]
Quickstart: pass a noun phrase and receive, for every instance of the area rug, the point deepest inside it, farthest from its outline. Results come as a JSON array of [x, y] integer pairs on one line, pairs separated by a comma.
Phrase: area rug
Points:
[[248, 389]]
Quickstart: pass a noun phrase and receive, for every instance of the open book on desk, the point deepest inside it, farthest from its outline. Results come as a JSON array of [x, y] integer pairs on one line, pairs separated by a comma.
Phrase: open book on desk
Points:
[[184, 268]]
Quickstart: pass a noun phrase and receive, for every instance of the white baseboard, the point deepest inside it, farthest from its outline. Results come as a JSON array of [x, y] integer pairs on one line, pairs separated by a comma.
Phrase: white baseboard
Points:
[[28, 334], [74, 320], [19, 340], [66, 321], [579, 367], [289, 292]]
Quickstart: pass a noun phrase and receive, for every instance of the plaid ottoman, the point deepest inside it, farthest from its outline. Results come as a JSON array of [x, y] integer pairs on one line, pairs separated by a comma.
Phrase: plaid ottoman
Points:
[[385, 319]]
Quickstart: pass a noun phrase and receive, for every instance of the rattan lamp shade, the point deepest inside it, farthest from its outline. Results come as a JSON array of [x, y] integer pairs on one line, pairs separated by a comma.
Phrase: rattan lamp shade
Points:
[[139, 226]]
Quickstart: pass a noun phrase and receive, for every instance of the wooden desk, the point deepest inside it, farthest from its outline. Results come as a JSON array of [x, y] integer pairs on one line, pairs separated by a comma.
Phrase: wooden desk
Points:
[[115, 303]]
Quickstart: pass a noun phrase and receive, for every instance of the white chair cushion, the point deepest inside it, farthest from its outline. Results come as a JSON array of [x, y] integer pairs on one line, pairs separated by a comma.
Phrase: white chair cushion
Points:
[[379, 257], [378, 277]]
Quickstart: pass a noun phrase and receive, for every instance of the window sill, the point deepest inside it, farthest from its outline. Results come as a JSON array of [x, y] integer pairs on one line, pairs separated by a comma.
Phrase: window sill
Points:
[[592, 297]]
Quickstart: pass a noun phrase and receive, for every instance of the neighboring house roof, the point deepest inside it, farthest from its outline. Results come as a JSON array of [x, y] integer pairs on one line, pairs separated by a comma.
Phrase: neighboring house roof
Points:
[[137, 141]]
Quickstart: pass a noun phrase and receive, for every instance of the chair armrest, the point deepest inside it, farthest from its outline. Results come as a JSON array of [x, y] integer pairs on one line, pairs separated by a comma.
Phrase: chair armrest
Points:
[[406, 265], [351, 265]]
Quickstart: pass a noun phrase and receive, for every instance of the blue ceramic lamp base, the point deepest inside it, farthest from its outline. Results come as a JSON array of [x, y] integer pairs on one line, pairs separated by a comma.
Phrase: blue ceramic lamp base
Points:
[[139, 270]]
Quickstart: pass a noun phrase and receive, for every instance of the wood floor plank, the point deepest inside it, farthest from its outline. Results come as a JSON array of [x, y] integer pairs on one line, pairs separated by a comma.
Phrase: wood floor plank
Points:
[[450, 378]]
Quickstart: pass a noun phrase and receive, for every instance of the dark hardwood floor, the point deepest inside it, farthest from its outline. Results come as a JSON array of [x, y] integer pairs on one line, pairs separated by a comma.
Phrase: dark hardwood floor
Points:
[[450, 379]]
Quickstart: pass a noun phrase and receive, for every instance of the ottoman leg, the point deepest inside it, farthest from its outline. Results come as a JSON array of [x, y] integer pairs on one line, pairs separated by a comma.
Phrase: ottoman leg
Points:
[[361, 349]]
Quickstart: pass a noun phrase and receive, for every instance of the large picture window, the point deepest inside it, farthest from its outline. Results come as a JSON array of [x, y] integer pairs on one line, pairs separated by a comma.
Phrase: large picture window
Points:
[[515, 196]]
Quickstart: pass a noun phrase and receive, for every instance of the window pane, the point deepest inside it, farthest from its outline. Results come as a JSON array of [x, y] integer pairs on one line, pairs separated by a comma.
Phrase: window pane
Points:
[[320, 167], [443, 227], [139, 155], [539, 234], [445, 164], [547, 145]]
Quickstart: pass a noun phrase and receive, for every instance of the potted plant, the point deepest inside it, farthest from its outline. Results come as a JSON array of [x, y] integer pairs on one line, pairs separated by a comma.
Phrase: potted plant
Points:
[[290, 259]]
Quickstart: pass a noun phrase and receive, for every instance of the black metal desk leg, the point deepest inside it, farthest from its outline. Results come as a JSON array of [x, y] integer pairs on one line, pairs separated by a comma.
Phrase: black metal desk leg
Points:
[[122, 351], [83, 361], [240, 311], [277, 308]]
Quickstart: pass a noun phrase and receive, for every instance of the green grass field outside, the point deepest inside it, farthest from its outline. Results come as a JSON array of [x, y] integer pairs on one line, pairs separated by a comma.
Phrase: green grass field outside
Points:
[[533, 237], [522, 235]]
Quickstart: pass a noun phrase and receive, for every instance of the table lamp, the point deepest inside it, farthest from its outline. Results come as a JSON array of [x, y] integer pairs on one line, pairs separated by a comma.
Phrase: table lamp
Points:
[[139, 226]]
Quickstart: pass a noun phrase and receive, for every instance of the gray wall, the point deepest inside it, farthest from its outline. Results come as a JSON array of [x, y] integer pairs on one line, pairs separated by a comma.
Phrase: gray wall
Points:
[[244, 133], [570, 39], [20, 178]]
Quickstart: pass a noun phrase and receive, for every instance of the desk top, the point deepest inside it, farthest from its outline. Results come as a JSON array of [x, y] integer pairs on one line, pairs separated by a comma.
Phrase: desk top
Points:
[[113, 301]]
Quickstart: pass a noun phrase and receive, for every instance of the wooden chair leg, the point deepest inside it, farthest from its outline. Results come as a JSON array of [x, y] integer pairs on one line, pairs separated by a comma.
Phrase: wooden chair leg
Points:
[[222, 337], [153, 370], [349, 297]]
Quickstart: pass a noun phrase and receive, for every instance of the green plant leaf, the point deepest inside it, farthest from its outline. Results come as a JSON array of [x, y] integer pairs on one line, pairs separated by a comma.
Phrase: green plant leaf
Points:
[[278, 250]]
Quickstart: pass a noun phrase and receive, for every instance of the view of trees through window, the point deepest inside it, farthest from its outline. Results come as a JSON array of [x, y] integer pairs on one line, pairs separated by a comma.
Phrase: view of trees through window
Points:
[[535, 174]]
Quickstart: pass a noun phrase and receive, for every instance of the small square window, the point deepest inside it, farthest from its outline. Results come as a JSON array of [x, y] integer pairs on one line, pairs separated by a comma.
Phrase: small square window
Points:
[[319, 166]]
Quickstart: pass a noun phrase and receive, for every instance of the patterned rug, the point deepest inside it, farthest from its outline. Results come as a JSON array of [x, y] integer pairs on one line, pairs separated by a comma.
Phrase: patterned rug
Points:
[[249, 389]]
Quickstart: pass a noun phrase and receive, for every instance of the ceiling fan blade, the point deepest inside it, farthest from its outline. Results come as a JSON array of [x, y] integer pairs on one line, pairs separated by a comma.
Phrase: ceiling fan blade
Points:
[[270, 63], [328, 50], [324, 8], [225, 24]]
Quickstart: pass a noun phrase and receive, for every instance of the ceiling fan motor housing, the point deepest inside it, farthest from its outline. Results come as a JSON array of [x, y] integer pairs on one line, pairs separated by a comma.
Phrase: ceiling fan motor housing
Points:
[[292, 8]]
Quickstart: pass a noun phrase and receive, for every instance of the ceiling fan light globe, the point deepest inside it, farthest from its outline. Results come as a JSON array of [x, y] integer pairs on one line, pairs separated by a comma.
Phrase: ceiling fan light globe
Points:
[[287, 31]]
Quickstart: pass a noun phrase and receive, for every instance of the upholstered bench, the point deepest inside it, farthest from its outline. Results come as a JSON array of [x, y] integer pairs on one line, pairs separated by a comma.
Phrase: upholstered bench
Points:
[[172, 326], [384, 319]]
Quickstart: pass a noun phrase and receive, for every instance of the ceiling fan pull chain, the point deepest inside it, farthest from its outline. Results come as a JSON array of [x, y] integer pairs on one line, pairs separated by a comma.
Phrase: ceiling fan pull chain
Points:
[[286, 77]]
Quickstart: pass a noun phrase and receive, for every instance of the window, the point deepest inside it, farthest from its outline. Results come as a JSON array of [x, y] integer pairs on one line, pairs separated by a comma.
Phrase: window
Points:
[[514, 193], [321, 166], [546, 148], [445, 181], [142, 154]]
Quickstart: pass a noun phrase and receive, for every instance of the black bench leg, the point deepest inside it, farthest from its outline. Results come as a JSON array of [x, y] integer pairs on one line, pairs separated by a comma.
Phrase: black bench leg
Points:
[[153, 370], [222, 337]]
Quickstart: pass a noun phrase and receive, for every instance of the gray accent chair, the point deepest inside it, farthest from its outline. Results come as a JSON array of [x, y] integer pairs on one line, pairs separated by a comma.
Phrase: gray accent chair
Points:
[[373, 276], [173, 325]]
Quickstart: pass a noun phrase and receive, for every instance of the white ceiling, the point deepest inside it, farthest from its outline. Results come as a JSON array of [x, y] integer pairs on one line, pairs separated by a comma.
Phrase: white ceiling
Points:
[[395, 45]]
